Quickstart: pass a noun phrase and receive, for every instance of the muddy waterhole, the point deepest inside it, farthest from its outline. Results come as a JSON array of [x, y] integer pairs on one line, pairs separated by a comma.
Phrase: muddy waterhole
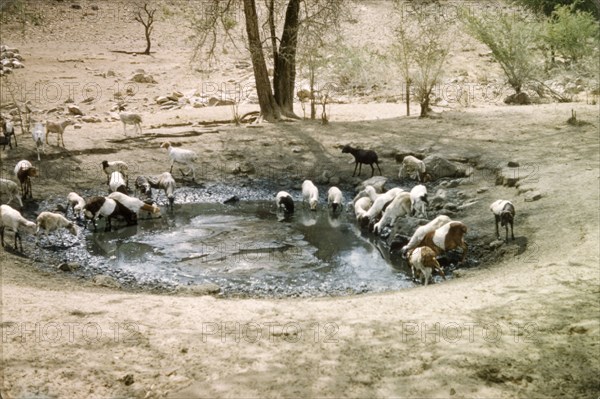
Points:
[[247, 248]]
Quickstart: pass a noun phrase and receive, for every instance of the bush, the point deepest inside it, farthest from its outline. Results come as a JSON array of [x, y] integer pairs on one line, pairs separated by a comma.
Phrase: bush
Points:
[[571, 33], [513, 42]]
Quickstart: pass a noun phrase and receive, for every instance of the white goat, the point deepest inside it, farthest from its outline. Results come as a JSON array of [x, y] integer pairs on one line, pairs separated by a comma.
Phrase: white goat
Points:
[[76, 203], [504, 213], [13, 220], [310, 194], [368, 191], [24, 171], [181, 156], [418, 200], [423, 259], [117, 183], [129, 118], [285, 200], [399, 207], [420, 232], [413, 168], [58, 128], [165, 182], [49, 222], [115, 166], [335, 198], [381, 201], [11, 189], [361, 207], [39, 138]]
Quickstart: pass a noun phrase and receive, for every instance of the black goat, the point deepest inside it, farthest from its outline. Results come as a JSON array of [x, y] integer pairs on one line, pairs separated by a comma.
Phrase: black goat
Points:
[[368, 157], [9, 133]]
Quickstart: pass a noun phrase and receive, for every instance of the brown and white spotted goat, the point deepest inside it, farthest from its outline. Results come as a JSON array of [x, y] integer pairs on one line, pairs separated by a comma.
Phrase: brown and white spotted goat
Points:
[[446, 238]]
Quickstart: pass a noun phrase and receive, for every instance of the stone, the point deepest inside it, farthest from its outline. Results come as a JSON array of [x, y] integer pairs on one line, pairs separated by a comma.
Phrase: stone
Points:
[[518, 99], [201, 289], [378, 183], [496, 244], [482, 190], [232, 200], [161, 100], [450, 206], [323, 178], [533, 196], [110, 73], [439, 167], [105, 281], [508, 177], [74, 110], [68, 266], [91, 119], [334, 181], [513, 164], [216, 102], [141, 77]]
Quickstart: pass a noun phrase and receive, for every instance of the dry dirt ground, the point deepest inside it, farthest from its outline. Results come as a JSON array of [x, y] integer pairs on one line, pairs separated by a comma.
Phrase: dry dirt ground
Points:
[[526, 326]]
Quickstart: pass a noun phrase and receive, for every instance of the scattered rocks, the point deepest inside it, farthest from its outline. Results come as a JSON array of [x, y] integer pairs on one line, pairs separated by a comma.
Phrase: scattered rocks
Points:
[[9, 59], [533, 196], [378, 183], [142, 77], [74, 110]]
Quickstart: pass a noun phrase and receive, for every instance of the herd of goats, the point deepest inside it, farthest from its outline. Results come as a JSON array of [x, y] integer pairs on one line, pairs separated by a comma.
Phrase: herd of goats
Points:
[[372, 209]]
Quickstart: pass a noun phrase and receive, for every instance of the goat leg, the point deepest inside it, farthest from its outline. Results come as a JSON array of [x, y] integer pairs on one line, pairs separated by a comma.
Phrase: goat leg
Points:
[[372, 170], [497, 231], [355, 166], [380, 173]]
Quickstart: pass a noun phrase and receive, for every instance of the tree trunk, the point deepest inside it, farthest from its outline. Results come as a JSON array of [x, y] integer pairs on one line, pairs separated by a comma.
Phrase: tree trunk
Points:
[[407, 97], [268, 106], [284, 78], [147, 51], [313, 108], [425, 107]]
